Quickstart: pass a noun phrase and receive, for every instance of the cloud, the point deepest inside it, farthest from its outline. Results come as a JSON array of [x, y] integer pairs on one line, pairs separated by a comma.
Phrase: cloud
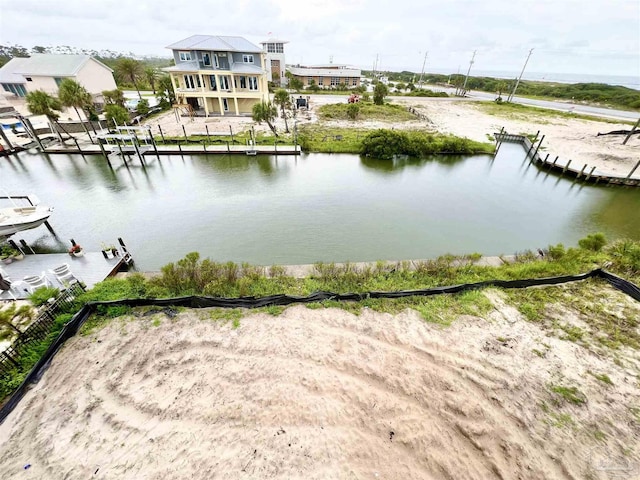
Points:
[[598, 36]]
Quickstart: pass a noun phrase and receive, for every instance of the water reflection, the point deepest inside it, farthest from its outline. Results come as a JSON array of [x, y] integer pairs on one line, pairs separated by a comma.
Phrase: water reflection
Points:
[[267, 209]]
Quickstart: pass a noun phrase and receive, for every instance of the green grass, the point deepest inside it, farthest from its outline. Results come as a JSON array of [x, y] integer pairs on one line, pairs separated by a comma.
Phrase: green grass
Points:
[[322, 139], [517, 111], [368, 111], [603, 377], [569, 394]]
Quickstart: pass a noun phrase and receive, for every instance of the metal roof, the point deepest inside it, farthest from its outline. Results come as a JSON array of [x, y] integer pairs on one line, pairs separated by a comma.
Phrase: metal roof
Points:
[[216, 43], [44, 64], [324, 72], [246, 68], [274, 40]]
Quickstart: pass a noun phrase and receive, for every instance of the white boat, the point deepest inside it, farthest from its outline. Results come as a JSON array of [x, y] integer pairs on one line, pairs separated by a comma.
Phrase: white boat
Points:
[[17, 219]]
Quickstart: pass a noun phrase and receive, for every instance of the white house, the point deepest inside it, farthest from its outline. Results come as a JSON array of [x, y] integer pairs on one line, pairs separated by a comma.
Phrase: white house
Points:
[[43, 71]]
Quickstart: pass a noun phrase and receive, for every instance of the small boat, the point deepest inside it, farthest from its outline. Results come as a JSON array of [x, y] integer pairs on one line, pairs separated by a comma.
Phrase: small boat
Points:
[[17, 219]]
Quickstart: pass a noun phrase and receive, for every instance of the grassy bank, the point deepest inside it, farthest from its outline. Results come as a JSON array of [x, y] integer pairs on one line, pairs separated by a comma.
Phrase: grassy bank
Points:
[[366, 111], [384, 143], [192, 275], [516, 111]]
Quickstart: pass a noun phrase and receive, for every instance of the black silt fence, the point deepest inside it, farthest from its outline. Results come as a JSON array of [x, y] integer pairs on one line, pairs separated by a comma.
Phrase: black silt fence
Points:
[[79, 318]]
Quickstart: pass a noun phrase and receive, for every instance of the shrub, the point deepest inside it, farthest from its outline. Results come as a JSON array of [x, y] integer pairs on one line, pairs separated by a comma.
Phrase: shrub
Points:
[[556, 252], [593, 242], [41, 295], [143, 107], [384, 144], [379, 92], [353, 109]]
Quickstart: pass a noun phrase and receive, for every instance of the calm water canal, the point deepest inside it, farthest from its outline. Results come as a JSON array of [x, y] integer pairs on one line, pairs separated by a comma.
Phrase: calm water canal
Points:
[[289, 210]]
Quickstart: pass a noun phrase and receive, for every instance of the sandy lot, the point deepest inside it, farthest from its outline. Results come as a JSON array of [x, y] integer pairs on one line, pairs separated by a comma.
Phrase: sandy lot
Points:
[[324, 394], [569, 138]]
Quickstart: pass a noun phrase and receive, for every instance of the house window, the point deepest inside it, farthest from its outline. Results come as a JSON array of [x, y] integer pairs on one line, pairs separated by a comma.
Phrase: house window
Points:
[[16, 88], [321, 81], [271, 48], [185, 56], [354, 82], [309, 80], [58, 80], [189, 82], [253, 83], [335, 81], [225, 104], [247, 58], [243, 82], [206, 59], [212, 82], [224, 83], [215, 61]]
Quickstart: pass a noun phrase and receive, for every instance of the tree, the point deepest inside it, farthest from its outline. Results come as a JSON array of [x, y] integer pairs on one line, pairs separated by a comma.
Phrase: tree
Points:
[[379, 92], [72, 94], [116, 114], [166, 95], [400, 86], [41, 103], [282, 99], [151, 75], [294, 82], [143, 106], [13, 313], [113, 97], [411, 86], [265, 112], [313, 86], [130, 69]]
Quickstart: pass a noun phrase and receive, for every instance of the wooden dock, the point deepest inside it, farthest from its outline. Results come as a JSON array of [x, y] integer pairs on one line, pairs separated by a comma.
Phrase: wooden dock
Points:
[[583, 173], [89, 269], [197, 149]]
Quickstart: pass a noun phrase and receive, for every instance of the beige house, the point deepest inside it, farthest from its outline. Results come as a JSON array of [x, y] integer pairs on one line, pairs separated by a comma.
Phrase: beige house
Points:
[[42, 71], [327, 76], [219, 75]]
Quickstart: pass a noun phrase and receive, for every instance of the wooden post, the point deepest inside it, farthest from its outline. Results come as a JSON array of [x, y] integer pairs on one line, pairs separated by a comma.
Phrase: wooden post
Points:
[[180, 149], [121, 152], [206, 127], [204, 145], [631, 132], [29, 126], [228, 149], [590, 173], [161, 134], [137, 148], [545, 158], [582, 171], [275, 146], [554, 162], [633, 169], [231, 132], [537, 148], [78, 146], [530, 148], [185, 134], [104, 153], [566, 166], [155, 147]]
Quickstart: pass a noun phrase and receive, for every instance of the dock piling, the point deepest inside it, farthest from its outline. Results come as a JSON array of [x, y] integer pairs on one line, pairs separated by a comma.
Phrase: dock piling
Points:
[[590, 173], [538, 147], [633, 170], [185, 134], [566, 166], [161, 134], [582, 171]]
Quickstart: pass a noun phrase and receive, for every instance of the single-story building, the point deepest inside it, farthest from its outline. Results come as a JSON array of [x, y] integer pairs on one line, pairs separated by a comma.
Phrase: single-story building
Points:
[[327, 76]]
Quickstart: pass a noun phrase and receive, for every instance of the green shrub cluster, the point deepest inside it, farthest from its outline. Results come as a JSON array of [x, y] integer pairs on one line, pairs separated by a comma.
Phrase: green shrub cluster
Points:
[[386, 144]]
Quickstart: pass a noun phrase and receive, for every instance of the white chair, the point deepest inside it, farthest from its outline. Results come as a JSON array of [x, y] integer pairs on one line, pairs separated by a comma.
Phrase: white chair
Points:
[[34, 282], [64, 276]]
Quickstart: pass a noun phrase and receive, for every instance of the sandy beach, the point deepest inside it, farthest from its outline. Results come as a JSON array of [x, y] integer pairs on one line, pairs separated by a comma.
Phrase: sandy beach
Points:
[[325, 394]]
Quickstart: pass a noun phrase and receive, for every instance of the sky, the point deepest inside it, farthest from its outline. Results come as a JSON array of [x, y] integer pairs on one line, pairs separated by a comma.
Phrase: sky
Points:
[[600, 37]]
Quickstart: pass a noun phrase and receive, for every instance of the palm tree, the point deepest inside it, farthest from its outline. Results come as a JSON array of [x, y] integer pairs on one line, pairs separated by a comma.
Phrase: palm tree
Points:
[[282, 98], [41, 103], [265, 112], [72, 94], [151, 75], [131, 70]]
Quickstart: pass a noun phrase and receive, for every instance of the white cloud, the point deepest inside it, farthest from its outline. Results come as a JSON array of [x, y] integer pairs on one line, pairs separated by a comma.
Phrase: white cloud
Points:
[[573, 36]]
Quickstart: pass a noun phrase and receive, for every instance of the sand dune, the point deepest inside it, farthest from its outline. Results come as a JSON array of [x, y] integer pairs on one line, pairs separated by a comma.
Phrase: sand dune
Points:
[[316, 394]]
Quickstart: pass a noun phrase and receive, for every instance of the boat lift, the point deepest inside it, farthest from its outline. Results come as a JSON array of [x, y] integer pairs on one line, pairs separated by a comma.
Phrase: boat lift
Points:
[[129, 141]]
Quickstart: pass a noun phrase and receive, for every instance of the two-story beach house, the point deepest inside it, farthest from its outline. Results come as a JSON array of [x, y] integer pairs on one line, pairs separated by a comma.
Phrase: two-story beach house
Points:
[[219, 75]]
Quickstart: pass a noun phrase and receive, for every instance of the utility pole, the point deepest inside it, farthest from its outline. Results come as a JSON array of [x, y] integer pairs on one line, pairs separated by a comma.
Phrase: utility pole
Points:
[[375, 66], [513, 92], [422, 72], [464, 87]]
